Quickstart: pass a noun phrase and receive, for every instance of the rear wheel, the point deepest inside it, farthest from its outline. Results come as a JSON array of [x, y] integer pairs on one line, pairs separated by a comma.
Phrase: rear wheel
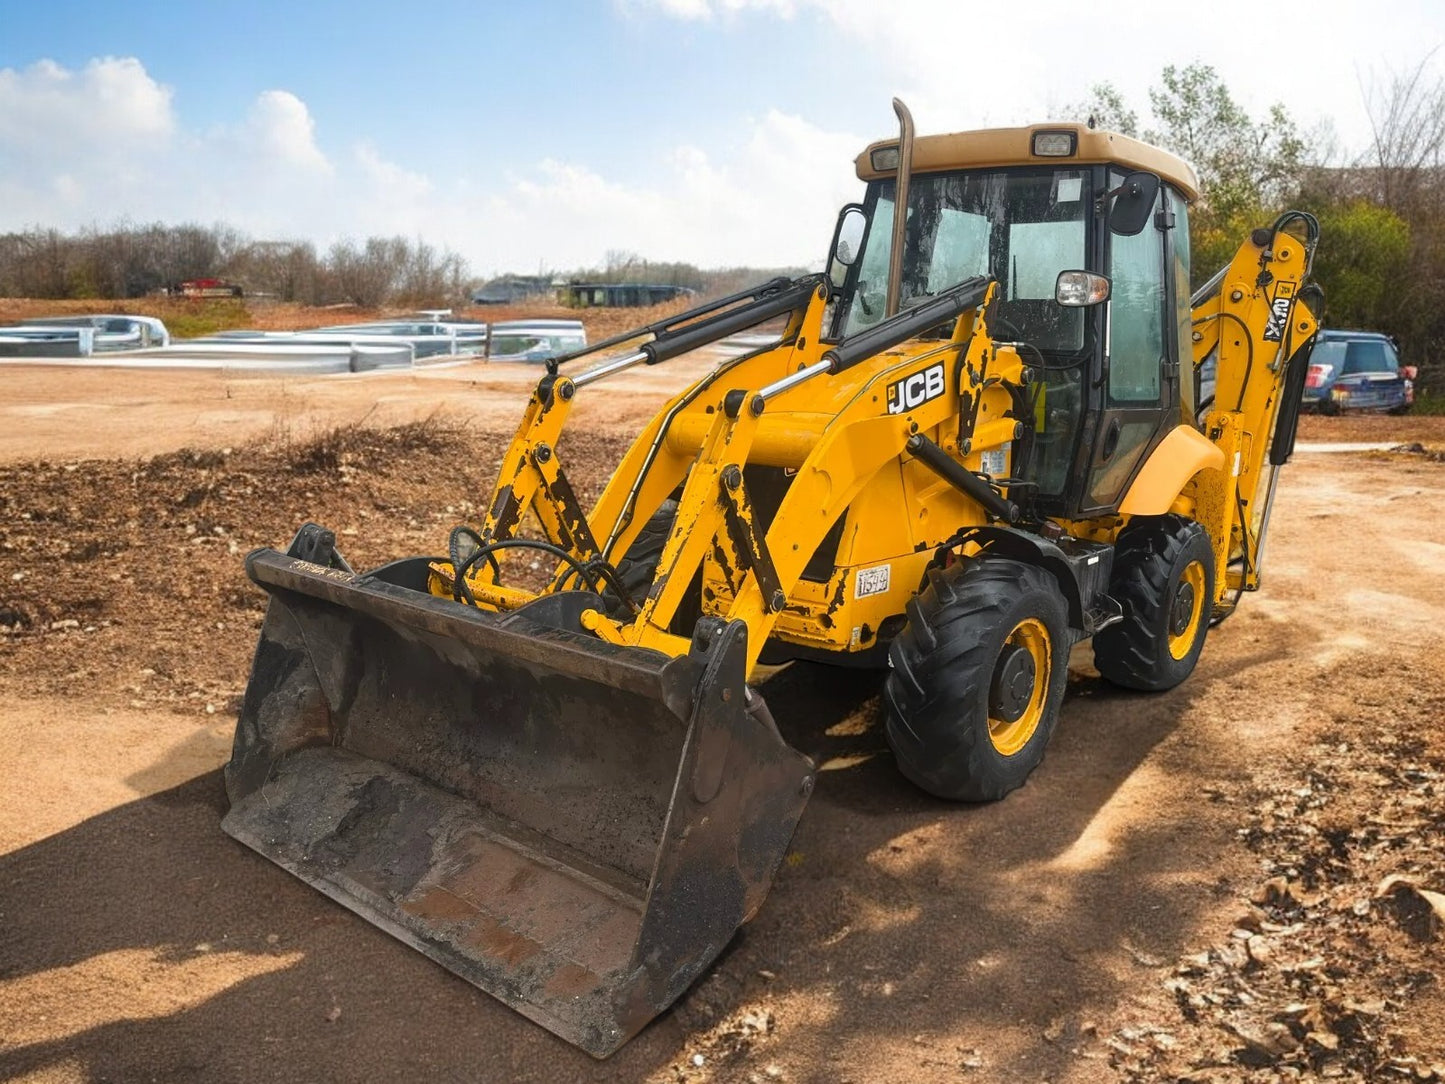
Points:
[[978, 676], [1164, 580]]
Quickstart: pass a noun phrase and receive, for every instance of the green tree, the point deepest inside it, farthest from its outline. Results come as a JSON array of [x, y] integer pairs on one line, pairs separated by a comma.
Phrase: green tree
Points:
[[1105, 108], [1364, 256], [1249, 170], [1244, 165]]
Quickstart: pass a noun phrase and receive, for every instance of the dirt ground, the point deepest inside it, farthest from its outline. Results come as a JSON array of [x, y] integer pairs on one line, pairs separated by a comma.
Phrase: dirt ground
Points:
[[1236, 880]]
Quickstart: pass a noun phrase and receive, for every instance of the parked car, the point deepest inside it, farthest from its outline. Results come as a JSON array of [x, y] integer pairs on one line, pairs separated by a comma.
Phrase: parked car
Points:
[[1349, 370], [1357, 370], [534, 340]]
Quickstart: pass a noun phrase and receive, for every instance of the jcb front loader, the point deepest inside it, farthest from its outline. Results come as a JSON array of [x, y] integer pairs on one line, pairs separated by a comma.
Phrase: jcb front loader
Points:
[[978, 439]]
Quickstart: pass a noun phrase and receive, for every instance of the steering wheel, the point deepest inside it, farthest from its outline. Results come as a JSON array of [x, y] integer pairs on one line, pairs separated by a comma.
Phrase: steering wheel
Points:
[[868, 301]]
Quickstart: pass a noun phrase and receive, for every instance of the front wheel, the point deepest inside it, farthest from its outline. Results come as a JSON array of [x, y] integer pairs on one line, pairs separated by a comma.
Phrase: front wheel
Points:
[[638, 566], [978, 676], [1164, 579]]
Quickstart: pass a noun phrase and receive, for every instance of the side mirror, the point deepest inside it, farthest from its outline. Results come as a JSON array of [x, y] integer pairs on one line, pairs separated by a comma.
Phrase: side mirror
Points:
[[847, 241], [1080, 289], [1134, 201]]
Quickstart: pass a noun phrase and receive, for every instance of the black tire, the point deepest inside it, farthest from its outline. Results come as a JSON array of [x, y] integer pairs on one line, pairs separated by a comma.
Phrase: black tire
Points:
[[962, 721], [1164, 579], [638, 567]]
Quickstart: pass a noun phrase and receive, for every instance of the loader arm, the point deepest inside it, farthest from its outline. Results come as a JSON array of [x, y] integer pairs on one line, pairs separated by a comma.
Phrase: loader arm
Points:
[[532, 478], [765, 407]]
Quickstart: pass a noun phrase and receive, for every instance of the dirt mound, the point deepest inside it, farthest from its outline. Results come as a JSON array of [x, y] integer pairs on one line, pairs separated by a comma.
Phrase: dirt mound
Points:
[[125, 577]]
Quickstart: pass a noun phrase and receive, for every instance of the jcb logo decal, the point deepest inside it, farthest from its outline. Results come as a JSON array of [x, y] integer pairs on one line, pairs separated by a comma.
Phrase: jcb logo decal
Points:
[[1278, 314], [913, 391]]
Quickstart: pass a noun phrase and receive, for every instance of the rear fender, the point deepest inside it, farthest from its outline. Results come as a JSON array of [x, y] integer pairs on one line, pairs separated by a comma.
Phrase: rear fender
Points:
[[1178, 458]]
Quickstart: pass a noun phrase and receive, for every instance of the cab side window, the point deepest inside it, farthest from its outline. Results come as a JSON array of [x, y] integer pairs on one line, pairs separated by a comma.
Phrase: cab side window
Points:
[[1183, 314], [1136, 316]]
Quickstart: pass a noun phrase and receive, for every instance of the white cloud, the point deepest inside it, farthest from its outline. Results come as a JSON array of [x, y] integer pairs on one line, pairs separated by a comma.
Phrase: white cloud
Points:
[[959, 66], [771, 199], [768, 196], [103, 143], [280, 129], [109, 103]]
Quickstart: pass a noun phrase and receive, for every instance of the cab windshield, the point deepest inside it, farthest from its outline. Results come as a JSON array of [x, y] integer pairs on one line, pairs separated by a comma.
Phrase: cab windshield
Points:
[[1020, 227]]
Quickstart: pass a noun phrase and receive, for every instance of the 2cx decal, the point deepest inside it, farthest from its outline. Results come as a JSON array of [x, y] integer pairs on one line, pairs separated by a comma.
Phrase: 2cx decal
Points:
[[913, 391], [1278, 313]]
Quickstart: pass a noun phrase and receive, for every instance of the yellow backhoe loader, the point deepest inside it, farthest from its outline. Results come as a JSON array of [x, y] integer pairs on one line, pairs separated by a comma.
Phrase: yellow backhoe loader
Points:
[[979, 438]]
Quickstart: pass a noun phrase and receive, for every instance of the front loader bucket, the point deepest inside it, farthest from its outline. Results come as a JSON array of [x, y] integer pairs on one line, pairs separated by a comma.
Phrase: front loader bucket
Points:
[[576, 828]]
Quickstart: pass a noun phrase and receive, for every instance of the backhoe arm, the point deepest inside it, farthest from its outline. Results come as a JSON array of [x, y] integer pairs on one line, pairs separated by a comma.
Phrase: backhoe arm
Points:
[[1258, 319]]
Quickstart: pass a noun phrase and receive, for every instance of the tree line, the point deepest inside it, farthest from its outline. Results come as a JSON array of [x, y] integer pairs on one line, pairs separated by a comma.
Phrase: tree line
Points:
[[128, 261], [623, 266]]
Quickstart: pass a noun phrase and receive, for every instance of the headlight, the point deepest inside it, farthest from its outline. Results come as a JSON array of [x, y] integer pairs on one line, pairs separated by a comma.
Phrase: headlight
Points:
[[1076, 289], [1054, 144], [885, 159]]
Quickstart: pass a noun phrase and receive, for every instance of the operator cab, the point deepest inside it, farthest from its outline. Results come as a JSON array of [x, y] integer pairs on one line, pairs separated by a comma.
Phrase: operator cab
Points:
[[1024, 206]]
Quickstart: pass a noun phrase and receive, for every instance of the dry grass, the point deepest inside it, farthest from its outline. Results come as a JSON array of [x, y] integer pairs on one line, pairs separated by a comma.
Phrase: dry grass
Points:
[[356, 445]]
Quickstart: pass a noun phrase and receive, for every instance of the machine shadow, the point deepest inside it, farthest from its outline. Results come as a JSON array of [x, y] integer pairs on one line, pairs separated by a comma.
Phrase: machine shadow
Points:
[[315, 993], [909, 917]]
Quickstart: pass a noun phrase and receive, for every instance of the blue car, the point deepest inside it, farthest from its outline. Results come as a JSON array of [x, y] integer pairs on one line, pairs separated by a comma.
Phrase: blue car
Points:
[[1357, 370]]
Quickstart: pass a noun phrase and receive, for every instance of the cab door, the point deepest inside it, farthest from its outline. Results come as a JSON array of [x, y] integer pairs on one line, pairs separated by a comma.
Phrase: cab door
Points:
[[1140, 377]]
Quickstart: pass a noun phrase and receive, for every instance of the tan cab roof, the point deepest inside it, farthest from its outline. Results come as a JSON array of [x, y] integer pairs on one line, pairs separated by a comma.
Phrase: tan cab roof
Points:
[[992, 147]]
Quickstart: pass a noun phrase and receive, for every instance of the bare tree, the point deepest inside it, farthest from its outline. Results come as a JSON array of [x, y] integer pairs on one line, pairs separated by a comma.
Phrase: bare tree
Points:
[[1407, 124]]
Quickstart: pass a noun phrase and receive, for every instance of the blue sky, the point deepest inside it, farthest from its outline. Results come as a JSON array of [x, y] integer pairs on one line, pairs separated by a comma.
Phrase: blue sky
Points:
[[546, 134]]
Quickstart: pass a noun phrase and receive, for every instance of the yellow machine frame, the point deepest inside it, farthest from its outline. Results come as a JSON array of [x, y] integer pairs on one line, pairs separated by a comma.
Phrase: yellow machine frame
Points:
[[849, 455]]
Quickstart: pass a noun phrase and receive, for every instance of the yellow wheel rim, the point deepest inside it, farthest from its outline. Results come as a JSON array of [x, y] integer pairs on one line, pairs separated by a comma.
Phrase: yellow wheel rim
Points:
[[1020, 687], [1186, 610]]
